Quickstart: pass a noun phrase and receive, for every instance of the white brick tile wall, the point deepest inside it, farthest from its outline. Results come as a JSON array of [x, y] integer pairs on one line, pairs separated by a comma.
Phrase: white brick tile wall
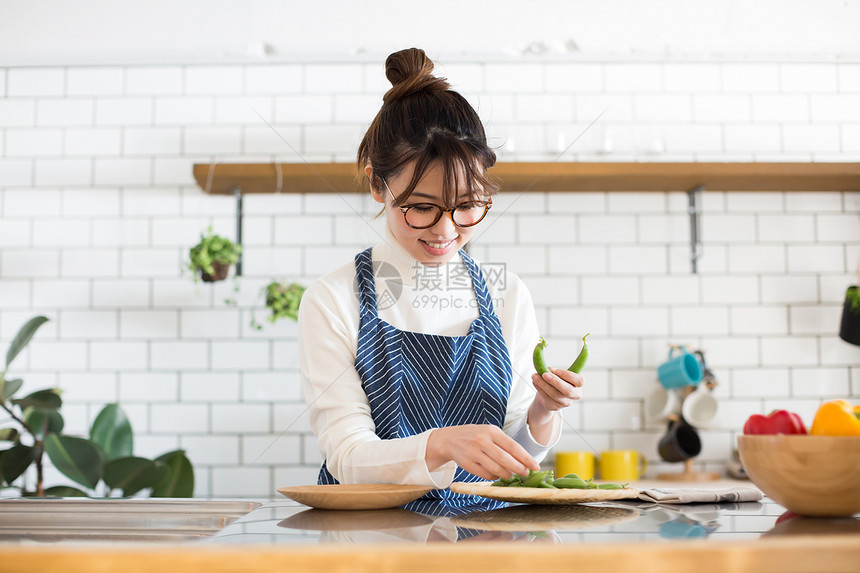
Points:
[[813, 258], [121, 171], [801, 137], [756, 259], [730, 290], [273, 79], [744, 77], [128, 111], [333, 78], [62, 112], [271, 449], [157, 80], [213, 79], [35, 81], [118, 355], [250, 355], [180, 418], [99, 324], [56, 355], [57, 233], [780, 107], [800, 350], [94, 81], [59, 293], [692, 77], [15, 294], [183, 110], [36, 263], [211, 450], [759, 320], [17, 113], [26, 142], [116, 293], [84, 387], [692, 321], [54, 172], [269, 386], [178, 355], [752, 138], [147, 387]]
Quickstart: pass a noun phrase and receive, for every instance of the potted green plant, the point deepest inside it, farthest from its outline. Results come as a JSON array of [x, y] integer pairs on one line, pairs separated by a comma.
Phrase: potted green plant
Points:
[[103, 462], [282, 300], [212, 256]]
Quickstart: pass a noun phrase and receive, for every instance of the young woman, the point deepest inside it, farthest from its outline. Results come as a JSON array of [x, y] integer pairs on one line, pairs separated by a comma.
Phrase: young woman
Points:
[[416, 363]]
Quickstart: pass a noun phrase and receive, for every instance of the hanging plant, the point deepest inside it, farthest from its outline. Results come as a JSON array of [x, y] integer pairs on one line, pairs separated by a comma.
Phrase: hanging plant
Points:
[[282, 300], [103, 463], [212, 256]]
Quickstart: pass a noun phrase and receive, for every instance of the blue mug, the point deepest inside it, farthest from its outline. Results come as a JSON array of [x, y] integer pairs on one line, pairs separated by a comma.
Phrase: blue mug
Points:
[[680, 371]]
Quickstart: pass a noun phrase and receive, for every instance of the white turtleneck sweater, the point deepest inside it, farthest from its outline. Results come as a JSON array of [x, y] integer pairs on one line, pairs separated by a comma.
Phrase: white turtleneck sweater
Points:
[[417, 298]]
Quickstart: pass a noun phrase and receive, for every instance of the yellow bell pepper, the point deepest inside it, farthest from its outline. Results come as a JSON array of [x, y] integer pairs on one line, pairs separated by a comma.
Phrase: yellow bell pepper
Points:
[[836, 418]]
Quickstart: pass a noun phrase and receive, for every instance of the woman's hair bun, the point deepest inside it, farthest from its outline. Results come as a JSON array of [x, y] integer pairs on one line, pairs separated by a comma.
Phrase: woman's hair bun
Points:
[[410, 71]]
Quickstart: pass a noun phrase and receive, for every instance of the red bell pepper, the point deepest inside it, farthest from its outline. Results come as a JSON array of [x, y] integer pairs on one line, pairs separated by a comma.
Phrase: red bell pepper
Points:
[[777, 422]]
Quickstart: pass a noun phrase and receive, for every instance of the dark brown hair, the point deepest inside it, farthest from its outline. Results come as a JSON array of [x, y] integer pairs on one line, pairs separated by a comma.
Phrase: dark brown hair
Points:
[[423, 120]]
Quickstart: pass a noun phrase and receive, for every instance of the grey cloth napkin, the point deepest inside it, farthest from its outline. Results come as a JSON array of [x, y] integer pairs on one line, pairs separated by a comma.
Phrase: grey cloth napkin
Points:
[[733, 494]]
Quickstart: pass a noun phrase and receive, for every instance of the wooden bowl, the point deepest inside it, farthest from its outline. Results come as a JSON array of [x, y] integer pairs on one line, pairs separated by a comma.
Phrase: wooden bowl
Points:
[[809, 475]]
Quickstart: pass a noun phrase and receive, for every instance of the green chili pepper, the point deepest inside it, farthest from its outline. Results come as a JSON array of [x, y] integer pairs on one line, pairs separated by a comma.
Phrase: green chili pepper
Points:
[[538, 359], [580, 361], [546, 485]]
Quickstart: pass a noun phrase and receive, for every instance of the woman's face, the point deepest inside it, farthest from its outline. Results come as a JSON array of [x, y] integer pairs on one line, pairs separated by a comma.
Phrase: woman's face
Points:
[[435, 245]]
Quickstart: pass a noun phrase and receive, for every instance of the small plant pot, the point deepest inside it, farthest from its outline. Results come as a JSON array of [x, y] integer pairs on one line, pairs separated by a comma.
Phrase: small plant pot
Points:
[[221, 272]]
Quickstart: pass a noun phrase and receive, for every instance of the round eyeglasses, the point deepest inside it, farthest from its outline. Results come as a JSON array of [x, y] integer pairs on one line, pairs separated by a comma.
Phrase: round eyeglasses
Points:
[[425, 215]]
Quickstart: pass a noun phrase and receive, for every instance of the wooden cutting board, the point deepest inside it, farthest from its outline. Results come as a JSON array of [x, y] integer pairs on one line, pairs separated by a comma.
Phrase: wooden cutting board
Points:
[[543, 496]]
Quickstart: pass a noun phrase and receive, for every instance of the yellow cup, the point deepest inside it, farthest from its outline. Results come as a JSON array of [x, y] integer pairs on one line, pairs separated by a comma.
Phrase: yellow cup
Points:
[[622, 465], [579, 463]]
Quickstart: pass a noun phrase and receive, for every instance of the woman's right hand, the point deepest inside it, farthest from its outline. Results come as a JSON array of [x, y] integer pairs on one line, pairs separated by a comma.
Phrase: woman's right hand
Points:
[[481, 449]]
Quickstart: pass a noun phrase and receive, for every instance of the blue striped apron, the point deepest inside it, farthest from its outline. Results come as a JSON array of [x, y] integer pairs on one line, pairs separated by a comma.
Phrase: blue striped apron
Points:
[[415, 382]]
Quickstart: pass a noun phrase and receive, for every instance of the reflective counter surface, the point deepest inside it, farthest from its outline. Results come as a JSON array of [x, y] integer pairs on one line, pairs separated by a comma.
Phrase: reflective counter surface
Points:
[[284, 522]]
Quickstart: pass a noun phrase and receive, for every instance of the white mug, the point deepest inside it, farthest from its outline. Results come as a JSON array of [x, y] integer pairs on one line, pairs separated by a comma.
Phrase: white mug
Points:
[[661, 403], [700, 407]]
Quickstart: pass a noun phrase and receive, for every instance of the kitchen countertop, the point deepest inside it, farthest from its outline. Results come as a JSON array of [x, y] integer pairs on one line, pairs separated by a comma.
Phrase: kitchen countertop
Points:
[[610, 536]]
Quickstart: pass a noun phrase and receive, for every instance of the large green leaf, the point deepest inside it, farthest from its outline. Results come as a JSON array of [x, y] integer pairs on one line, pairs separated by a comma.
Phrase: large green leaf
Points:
[[133, 474], [43, 421], [8, 388], [112, 432], [65, 491], [15, 461], [77, 458], [179, 481], [42, 399], [22, 339]]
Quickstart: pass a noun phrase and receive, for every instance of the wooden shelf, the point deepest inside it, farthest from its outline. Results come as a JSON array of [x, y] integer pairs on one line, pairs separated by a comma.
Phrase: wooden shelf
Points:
[[223, 178]]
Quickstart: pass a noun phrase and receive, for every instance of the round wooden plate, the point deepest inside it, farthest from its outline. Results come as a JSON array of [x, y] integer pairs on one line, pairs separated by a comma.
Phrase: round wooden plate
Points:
[[542, 496], [354, 496]]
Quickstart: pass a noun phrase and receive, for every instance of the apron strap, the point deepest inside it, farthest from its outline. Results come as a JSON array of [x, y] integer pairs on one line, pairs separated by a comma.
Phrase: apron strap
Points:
[[482, 293], [366, 284]]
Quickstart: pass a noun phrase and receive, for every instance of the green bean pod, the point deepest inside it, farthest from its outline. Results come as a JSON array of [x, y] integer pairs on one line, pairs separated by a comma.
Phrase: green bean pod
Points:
[[538, 359], [582, 358], [611, 486], [570, 483]]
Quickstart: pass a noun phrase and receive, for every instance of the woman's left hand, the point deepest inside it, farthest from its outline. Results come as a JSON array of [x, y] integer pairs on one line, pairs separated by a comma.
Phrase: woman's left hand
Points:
[[557, 389]]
